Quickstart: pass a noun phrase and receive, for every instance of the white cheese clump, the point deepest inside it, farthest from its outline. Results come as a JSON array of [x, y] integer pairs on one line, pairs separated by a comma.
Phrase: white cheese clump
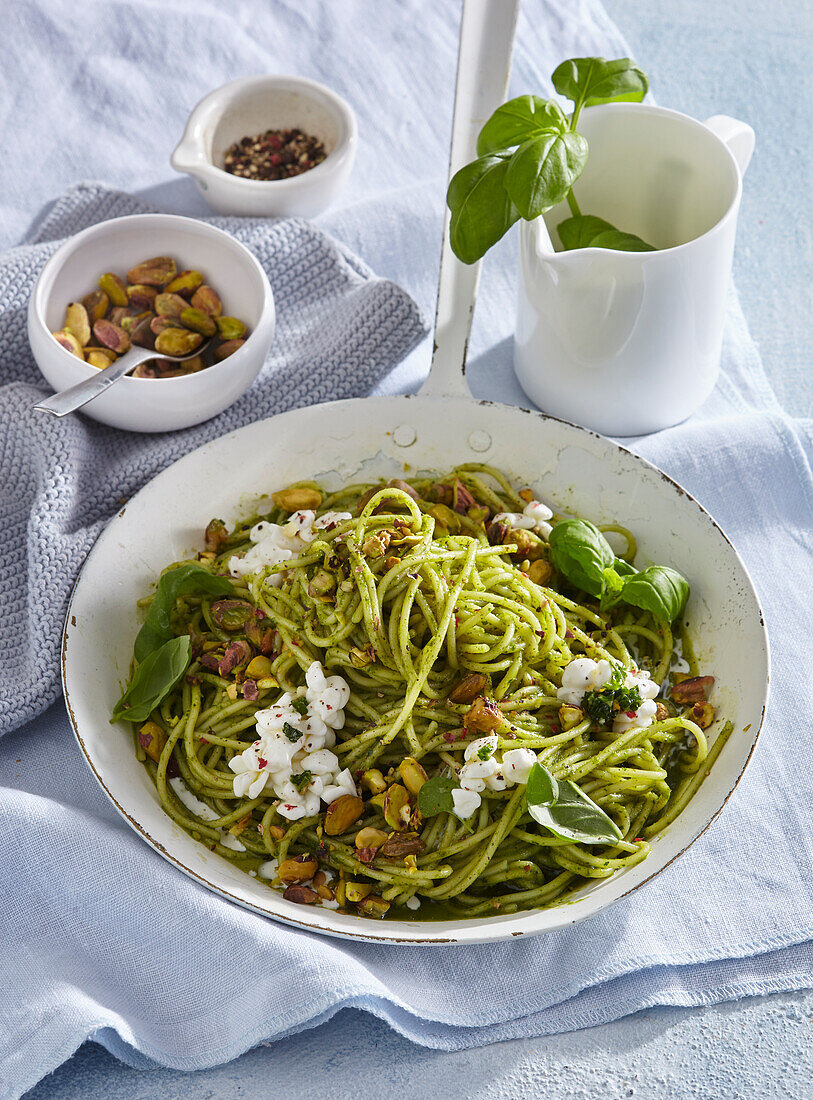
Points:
[[533, 517], [584, 674], [275, 543], [277, 755], [482, 770]]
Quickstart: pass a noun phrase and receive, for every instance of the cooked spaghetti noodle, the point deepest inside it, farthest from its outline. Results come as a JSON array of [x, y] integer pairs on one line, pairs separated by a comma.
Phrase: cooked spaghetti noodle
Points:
[[451, 628]]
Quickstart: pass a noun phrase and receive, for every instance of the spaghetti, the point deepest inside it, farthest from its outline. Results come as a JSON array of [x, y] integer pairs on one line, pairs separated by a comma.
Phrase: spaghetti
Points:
[[438, 604]]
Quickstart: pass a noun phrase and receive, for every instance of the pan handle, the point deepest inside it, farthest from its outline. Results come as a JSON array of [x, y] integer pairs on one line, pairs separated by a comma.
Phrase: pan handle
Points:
[[483, 64]]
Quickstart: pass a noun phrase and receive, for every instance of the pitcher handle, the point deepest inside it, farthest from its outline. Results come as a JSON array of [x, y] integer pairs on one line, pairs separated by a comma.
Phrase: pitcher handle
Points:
[[738, 136]]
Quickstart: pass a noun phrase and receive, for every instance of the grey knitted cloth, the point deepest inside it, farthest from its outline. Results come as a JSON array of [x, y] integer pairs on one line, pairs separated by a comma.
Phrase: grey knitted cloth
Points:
[[340, 329]]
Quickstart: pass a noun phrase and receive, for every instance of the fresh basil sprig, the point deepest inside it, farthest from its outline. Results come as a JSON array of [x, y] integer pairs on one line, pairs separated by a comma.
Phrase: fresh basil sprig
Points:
[[435, 796], [588, 231], [581, 553], [161, 658], [584, 557], [154, 679], [566, 810], [189, 579], [658, 589], [530, 155], [588, 81]]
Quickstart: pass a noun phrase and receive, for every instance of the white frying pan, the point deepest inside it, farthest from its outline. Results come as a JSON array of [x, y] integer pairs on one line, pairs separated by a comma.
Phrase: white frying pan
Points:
[[442, 426]]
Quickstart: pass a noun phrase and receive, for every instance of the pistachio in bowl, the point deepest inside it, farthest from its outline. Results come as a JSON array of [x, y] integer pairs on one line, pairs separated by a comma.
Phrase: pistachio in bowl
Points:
[[158, 307]]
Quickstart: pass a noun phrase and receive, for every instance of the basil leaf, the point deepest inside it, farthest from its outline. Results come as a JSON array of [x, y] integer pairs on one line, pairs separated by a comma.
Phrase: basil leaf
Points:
[[591, 80], [658, 589], [623, 568], [581, 554], [541, 788], [435, 796], [189, 579], [154, 679], [482, 212], [588, 231], [572, 815], [517, 120], [543, 170]]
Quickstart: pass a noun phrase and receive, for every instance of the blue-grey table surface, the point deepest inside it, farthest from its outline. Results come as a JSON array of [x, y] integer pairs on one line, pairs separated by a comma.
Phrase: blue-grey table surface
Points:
[[748, 59]]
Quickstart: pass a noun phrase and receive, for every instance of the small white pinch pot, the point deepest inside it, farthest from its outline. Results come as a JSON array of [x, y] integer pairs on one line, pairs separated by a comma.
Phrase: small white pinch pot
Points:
[[253, 105]]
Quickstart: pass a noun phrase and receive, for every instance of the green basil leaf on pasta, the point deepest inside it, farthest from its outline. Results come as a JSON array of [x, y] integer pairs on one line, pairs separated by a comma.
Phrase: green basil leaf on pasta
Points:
[[154, 679], [591, 80], [435, 796], [570, 814], [188, 579], [542, 171], [517, 120], [541, 788], [658, 589], [581, 554], [588, 231], [481, 210]]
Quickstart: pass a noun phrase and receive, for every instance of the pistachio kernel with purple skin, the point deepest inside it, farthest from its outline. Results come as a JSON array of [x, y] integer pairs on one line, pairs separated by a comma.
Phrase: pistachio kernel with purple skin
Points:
[[231, 615]]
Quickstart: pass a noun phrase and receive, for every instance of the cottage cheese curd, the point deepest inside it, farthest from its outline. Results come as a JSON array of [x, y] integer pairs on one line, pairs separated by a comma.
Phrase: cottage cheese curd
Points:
[[292, 752], [482, 770], [275, 543], [584, 674]]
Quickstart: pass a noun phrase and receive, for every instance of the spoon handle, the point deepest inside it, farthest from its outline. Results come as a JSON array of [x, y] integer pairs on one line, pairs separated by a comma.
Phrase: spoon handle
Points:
[[68, 401]]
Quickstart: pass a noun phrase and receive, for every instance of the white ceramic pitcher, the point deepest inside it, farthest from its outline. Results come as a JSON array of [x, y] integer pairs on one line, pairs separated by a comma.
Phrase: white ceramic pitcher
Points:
[[629, 342]]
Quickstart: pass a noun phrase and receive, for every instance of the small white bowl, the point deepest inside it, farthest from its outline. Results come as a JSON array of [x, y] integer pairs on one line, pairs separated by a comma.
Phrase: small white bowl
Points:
[[251, 106], [154, 404]]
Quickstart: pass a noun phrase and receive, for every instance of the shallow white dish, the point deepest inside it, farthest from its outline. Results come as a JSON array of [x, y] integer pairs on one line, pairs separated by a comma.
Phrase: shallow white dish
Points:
[[154, 404], [576, 469], [253, 105]]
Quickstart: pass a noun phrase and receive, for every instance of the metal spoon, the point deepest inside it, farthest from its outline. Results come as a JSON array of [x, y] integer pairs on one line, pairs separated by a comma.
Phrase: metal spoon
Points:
[[75, 397]]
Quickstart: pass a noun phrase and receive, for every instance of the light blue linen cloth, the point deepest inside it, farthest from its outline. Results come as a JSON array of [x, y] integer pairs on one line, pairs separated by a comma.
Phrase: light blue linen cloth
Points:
[[101, 938]]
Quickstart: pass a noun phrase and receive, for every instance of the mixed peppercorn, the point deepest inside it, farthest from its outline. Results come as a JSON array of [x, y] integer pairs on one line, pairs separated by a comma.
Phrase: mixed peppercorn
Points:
[[274, 155]]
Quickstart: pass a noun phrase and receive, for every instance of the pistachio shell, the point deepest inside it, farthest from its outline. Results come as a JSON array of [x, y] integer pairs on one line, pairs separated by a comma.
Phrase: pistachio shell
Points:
[[198, 321], [206, 299], [141, 296], [112, 336], [158, 271], [69, 342], [77, 322], [170, 305], [230, 328], [226, 349], [186, 282], [177, 341], [114, 288], [97, 304]]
